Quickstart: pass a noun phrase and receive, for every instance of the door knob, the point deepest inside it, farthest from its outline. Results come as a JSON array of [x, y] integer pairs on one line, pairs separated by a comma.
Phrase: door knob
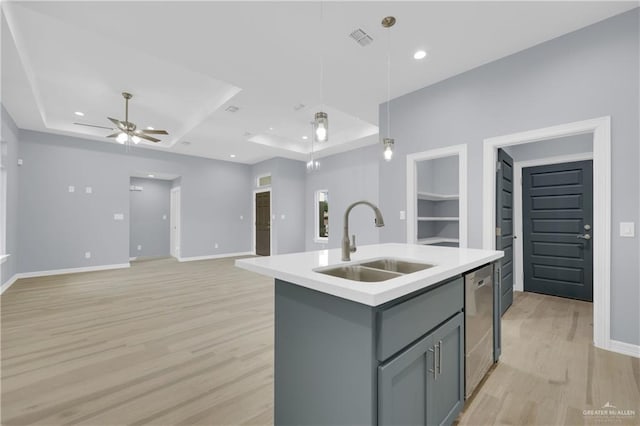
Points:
[[584, 237]]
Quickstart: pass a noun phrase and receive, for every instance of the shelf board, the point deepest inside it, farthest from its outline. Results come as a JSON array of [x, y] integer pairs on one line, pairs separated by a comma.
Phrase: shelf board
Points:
[[437, 240], [437, 197], [438, 219]]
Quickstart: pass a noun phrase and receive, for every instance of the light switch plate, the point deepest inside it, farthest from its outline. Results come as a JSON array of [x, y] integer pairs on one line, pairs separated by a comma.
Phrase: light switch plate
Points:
[[282, 216], [88, 190], [20, 162], [139, 247], [164, 217], [627, 229], [118, 216], [72, 188], [403, 215], [87, 255]]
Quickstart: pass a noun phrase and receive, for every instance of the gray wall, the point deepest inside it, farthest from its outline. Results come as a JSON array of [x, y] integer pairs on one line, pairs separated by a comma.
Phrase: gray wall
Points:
[[439, 175], [349, 177], [10, 138], [287, 202], [586, 74], [552, 148], [149, 218], [56, 227]]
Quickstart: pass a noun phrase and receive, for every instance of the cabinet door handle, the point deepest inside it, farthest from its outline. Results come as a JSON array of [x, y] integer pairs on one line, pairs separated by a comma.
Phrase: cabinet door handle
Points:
[[432, 350], [440, 357]]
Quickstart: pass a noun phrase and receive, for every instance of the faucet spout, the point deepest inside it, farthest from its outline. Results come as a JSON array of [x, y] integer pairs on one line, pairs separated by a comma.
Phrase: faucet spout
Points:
[[347, 246]]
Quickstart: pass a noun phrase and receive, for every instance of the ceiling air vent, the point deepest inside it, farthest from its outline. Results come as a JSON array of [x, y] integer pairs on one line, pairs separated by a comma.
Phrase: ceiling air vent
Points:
[[231, 108], [362, 38], [298, 107]]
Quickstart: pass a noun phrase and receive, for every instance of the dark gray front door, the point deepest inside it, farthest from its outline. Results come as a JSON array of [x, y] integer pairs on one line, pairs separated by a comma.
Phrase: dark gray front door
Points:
[[557, 205], [504, 225]]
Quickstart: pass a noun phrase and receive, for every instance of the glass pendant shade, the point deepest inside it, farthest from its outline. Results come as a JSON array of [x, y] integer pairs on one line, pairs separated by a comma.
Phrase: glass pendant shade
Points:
[[388, 148], [321, 126]]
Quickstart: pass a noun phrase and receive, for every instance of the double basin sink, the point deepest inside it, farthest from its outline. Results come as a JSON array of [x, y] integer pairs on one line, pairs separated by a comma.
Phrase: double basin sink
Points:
[[374, 270]]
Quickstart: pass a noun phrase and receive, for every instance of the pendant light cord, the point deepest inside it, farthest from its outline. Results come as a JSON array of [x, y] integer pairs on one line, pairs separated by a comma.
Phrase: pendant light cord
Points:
[[388, 81], [320, 44]]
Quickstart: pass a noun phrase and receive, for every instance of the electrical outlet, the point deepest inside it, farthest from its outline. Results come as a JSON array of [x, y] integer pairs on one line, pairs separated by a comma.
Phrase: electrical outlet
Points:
[[403, 215], [215, 245], [164, 217], [87, 255], [282, 217], [241, 217], [139, 247]]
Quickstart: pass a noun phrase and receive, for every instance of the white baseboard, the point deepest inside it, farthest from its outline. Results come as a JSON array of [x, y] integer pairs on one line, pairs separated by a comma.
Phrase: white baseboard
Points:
[[214, 256], [131, 259], [9, 283], [72, 270], [624, 348]]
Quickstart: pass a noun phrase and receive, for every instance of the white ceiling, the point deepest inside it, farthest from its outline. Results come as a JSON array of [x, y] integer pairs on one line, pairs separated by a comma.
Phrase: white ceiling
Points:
[[185, 62]]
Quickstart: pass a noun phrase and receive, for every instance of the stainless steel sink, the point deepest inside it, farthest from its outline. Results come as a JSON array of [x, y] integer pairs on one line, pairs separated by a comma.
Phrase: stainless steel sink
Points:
[[359, 273], [396, 265], [374, 270]]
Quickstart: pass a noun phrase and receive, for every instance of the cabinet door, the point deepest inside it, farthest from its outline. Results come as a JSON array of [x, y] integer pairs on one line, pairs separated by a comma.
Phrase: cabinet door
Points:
[[402, 386], [445, 387]]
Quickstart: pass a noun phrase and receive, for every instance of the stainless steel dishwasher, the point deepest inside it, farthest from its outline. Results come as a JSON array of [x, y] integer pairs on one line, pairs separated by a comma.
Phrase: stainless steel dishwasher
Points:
[[478, 326]]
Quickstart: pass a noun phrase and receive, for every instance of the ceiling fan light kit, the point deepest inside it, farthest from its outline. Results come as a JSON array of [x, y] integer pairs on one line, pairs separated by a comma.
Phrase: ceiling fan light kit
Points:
[[127, 131]]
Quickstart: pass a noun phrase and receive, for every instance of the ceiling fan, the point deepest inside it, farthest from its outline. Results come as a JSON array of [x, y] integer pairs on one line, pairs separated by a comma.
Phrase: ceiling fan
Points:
[[127, 130]]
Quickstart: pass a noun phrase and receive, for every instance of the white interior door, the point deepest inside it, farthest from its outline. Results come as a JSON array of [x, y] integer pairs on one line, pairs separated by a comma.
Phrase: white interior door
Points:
[[174, 223]]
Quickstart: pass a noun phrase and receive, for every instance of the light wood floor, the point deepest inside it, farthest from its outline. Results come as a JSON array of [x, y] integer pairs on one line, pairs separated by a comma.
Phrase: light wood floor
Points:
[[168, 343]]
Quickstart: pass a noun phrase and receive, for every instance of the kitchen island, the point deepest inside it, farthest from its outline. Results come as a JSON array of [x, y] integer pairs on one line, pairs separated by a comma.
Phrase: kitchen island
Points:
[[383, 352]]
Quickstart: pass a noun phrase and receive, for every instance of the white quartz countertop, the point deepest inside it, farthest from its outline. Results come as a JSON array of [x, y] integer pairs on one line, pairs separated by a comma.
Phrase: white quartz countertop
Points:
[[298, 268]]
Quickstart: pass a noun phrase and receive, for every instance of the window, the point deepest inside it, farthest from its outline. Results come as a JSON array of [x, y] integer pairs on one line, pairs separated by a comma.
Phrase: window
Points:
[[321, 207], [264, 180]]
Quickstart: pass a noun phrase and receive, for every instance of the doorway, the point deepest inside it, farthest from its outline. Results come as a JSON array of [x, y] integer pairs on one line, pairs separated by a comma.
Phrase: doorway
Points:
[[174, 236], [149, 223], [262, 221], [600, 128]]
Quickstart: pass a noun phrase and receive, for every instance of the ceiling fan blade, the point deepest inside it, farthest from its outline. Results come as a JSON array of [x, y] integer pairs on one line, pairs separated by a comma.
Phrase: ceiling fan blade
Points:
[[154, 132], [118, 123], [149, 138], [113, 135], [93, 125]]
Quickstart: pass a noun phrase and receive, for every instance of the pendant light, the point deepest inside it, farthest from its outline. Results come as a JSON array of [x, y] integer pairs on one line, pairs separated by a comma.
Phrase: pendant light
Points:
[[321, 119], [388, 142], [312, 164]]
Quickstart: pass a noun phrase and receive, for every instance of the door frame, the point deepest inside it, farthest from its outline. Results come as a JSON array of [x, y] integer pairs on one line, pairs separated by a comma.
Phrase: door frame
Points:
[[175, 221], [601, 130], [253, 225], [517, 205], [412, 188]]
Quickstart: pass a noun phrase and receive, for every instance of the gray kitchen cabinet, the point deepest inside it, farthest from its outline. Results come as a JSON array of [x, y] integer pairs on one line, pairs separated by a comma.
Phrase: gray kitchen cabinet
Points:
[[424, 385]]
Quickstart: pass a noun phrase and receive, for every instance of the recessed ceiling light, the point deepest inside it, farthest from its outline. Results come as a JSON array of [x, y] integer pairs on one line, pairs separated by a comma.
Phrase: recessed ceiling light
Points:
[[305, 137], [150, 128], [79, 113], [270, 128], [232, 108], [232, 156], [420, 54], [151, 176]]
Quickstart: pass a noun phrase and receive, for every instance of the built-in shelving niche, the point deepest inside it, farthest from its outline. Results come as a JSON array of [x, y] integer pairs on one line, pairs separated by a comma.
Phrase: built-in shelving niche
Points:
[[437, 202]]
